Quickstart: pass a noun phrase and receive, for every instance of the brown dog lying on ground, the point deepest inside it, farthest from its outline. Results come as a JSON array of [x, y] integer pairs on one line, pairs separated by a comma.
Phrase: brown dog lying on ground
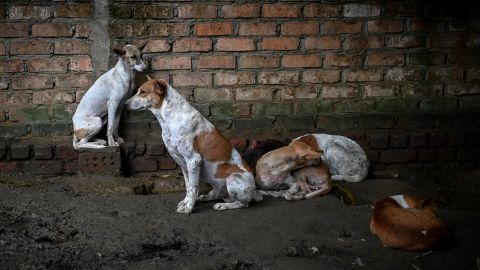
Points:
[[408, 223], [296, 166]]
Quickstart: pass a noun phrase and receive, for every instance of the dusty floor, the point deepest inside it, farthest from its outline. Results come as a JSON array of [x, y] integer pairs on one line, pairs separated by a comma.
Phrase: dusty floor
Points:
[[55, 224]]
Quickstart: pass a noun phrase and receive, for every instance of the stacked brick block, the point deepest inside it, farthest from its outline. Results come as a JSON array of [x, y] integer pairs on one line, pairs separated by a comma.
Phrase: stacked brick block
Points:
[[401, 77]]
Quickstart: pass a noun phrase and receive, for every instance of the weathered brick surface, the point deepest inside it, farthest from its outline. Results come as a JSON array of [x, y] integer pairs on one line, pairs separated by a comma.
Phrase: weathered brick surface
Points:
[[401, 77], [101, 161]]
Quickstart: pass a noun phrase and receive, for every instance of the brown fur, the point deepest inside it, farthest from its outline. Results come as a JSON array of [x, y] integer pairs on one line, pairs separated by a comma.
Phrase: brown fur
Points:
[[226, 169], [155, 90], [212, 146], [81, 133], [311, 141], [402, 228]]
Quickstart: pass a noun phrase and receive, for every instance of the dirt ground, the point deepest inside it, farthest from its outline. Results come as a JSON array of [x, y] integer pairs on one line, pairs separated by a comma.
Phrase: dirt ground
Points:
[[60, 224]]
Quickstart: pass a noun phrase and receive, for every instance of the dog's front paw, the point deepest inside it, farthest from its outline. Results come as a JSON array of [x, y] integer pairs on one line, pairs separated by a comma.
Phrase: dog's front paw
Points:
[[185, 206], [119, 140], [219, 207], [112, 142]]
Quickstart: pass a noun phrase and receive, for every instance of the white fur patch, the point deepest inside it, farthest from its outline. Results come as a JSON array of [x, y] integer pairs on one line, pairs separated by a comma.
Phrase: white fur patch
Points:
[[400, 199]]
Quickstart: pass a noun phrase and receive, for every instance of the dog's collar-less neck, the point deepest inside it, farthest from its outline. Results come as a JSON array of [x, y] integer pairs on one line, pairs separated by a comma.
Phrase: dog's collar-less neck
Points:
[[120, 66], [171, 100]]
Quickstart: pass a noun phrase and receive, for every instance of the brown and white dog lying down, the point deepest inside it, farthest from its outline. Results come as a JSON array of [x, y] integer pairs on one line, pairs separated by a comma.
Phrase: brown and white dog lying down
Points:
[[408, 223], [198, 148], [296, 167]]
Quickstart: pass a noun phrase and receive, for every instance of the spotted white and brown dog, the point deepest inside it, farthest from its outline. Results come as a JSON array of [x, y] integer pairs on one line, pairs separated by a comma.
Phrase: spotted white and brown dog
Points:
[[408, 223], [345, 158], [198, 148]]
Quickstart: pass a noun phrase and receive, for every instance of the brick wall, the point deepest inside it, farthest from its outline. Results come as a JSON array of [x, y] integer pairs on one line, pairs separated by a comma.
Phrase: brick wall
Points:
[[400, 77]]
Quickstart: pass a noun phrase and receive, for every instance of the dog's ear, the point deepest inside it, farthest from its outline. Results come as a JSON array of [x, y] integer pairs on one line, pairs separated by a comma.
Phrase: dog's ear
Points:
[[120, 52], [142, 46], [160, 87], [309, 154]]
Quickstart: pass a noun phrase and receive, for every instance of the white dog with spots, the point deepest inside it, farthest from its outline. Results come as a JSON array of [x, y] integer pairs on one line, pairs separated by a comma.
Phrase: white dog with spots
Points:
[[198, 147], [345, 158], [105, 98]]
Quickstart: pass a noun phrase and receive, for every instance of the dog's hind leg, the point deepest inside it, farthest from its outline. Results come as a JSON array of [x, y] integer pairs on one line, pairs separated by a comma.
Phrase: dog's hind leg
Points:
[[88, 128], [241, 190]]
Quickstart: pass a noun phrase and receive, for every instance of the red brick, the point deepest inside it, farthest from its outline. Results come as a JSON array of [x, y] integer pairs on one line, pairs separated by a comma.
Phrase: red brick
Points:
[[30, 47], [298, 92], [213, 29], [169, 29], [2, 49], [241, 11], [320, 10], [446, 155], [7, 65], [364, 42], [280, 10], [71, 47], [47, 64], [192, 44], [51, 97], [427, 58], [385, 26], [323, 43], [171, 62], [308, 60], [192, 79], [128, 30], [402, 74], [385, 59], [73, 80], [235, 44], [51, 30], [237, 78], [280, 77], [82, 30], [373, 90], [153, 11], [166, 163], [321, 76], [29, 12], [257, 29], [253, 93], [300, 28], [444, 74], [405, 42], [397, 156], [344, 91], [32, 82], [427, 155], [279, 43], [208, 95], [447, 41], [216, 61], [13, 30], [8, 167], [156, 46], [81, 63], [402, 8], [425, 25], [201, 11], [363, 75], [339, 27], [361, 10], [342, 60], [15, 98], [378, 141], [258, 61], [66, 151], [72, 10]]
